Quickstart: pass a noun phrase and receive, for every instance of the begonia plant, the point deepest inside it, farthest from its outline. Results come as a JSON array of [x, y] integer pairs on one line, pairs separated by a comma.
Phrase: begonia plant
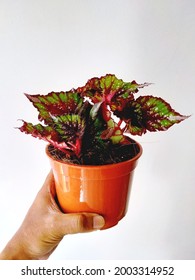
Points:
[[89, 125]]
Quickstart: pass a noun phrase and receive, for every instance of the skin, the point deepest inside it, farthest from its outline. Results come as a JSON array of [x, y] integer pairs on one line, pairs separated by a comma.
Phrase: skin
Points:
[[45, 226]]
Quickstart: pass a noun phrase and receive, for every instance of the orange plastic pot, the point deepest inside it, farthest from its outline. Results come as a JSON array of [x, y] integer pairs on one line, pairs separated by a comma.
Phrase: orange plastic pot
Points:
[[102, 189]]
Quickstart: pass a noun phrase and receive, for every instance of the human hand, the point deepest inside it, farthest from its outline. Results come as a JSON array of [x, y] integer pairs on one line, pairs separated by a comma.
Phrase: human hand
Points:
[[45, 225]]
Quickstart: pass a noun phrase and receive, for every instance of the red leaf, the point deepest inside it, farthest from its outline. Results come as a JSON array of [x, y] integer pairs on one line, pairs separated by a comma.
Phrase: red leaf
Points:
[[150, 113], [107, 88], [56, 104]]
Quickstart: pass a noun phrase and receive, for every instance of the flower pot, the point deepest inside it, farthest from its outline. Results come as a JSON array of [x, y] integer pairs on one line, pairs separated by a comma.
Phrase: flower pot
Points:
[[102, 189]]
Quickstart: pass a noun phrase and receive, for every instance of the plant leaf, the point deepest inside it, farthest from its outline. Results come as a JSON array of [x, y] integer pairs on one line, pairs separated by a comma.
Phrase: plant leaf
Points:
[[45, 133], [69, 127], [112, 130], [107, 87], [149, 113], [55, 104], [65, 133], [95, 109], [115, 134]]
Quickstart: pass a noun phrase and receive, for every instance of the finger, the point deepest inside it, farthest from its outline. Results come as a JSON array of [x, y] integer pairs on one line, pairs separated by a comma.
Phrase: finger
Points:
[[48, 187], [51, 184], [46, 197], [78, 223]]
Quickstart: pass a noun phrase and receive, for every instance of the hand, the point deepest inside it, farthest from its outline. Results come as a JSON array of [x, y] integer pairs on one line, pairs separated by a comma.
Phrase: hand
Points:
[[45, 225]]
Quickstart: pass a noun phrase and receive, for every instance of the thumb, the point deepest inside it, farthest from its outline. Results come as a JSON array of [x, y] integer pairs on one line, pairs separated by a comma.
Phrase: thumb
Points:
[[78, 223]]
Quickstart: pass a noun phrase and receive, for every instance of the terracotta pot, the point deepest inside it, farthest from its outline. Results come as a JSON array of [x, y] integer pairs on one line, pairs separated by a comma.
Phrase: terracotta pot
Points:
[[102, 189]]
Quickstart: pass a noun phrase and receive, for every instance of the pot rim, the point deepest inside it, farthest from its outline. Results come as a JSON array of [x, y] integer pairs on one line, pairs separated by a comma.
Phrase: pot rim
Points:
[[102, 166]]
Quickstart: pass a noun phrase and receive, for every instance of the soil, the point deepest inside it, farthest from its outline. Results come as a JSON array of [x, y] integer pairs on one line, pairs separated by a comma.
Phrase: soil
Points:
[[113, 154]]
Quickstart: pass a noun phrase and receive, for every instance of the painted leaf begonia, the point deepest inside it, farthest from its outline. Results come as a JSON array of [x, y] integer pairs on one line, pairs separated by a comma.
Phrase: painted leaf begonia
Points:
[[89, 124]]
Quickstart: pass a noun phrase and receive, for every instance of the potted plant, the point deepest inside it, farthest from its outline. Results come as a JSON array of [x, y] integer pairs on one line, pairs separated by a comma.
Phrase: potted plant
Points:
[[92, 157]]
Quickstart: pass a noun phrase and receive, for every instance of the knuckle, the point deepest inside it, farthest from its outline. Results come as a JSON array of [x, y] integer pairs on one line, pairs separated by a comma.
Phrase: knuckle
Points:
[[83, 223]]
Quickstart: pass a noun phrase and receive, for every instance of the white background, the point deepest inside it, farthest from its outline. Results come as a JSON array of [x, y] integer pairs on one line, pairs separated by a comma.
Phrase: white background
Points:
[[56, 45]]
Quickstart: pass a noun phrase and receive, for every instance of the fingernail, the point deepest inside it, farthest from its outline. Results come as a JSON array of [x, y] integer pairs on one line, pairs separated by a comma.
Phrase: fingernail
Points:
[[98, 222]]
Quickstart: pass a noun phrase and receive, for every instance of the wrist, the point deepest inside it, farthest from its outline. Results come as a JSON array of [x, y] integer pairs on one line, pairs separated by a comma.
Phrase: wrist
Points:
[[14, 250]]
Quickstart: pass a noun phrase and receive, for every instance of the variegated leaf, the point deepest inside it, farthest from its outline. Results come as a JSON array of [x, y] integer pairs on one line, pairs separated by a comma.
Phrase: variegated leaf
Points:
[[108, 87], [65, 133], [152, 114], [56, 104]]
